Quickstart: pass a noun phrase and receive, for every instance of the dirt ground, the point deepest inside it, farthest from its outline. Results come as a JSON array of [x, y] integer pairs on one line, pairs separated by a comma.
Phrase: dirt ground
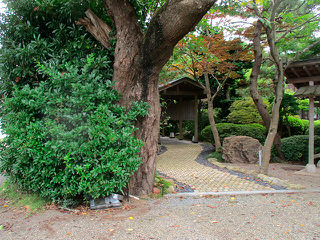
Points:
[[275, 216]]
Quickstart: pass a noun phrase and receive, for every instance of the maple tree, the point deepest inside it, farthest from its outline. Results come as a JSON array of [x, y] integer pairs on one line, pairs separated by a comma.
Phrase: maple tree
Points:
[[210, 59]]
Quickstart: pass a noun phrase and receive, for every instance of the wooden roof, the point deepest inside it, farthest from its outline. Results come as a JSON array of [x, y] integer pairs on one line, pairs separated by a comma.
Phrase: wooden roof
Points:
[[308, 91], [300, 73], [183, 87]]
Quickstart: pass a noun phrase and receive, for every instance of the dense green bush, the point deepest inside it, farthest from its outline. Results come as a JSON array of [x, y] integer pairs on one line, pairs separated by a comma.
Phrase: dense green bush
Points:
[[42, 30], [256, 131], [244, 111], [316, 128], [305, 124], [295, 148], [67, 138], [297, 127]]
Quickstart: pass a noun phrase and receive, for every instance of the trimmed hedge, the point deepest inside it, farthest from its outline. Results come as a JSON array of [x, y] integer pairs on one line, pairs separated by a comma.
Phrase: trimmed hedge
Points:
[[297, 126], [316, 128], [244, 111], [295, 148], [255, 130]]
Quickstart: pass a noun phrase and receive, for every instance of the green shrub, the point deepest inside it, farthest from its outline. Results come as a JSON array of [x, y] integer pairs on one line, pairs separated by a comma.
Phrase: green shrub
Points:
[[161, 183], [244, 111], [217, 155], [297, 127], [316, 127], [305, 124], [256, 131], [295, 148], [67, 139]]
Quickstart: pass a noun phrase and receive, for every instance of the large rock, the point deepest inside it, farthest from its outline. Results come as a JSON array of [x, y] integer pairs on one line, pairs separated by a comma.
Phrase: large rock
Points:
[[241, 149]]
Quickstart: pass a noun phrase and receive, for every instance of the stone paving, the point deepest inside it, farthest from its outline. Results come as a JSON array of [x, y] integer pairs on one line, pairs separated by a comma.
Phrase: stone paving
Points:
[[179, 162]]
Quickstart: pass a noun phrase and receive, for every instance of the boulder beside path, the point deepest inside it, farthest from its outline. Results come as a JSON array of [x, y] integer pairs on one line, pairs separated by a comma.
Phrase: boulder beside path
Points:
[[241, 149]]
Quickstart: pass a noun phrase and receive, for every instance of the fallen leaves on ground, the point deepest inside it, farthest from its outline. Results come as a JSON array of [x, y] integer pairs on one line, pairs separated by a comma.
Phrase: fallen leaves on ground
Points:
[[211, 206], [214, 221]]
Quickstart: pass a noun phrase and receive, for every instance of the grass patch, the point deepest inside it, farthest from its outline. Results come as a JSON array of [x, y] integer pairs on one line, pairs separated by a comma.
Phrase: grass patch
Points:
[[32, 202], [161, 184], [217, 155]]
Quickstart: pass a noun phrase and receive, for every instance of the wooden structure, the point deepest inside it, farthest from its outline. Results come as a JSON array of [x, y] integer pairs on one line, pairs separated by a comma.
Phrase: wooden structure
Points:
[[305, 76], [182, 96]]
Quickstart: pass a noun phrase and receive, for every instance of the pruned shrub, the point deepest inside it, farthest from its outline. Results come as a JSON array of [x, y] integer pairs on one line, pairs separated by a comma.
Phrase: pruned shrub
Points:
[[68, 139], [256, 131], [244, 111], [295, 124], [316, 128], [295, 148]]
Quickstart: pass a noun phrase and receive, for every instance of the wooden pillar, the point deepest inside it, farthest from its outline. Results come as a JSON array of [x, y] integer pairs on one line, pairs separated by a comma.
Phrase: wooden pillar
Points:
[[180, 119], [311, 167], [196, 120]]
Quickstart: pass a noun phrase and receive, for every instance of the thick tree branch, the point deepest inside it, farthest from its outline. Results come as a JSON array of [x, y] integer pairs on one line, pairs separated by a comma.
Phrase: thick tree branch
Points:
[[262, 108], [170, 24], [99, 29]]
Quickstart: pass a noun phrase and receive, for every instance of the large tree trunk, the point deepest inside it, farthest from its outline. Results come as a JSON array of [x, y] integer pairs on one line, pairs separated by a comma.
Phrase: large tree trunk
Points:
[[139, 59], [214, 130], [257, 99]]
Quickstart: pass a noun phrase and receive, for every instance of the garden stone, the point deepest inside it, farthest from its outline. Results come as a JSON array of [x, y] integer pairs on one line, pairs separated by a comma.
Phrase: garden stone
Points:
[[170, 189], [241, 149]]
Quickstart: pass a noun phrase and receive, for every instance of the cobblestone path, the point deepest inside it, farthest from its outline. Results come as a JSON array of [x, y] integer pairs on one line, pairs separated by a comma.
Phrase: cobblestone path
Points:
[[179, 162]]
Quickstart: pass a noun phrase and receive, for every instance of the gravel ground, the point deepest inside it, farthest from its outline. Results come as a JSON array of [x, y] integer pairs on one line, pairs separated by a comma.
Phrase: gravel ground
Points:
[[279, 216]]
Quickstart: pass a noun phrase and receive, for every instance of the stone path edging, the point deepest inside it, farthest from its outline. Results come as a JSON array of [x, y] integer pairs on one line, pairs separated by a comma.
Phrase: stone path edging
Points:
[[234, 193], [279, 182]]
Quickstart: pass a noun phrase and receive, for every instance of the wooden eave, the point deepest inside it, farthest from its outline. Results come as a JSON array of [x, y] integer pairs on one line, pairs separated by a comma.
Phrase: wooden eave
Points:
[[302, 72], [183, 87], [308, 91]]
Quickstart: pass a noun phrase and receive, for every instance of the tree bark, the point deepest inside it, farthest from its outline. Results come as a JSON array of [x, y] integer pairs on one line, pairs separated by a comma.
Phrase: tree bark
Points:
[[99, 29], [139, 59], [279, 88], [214, 130], [257, 99]]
